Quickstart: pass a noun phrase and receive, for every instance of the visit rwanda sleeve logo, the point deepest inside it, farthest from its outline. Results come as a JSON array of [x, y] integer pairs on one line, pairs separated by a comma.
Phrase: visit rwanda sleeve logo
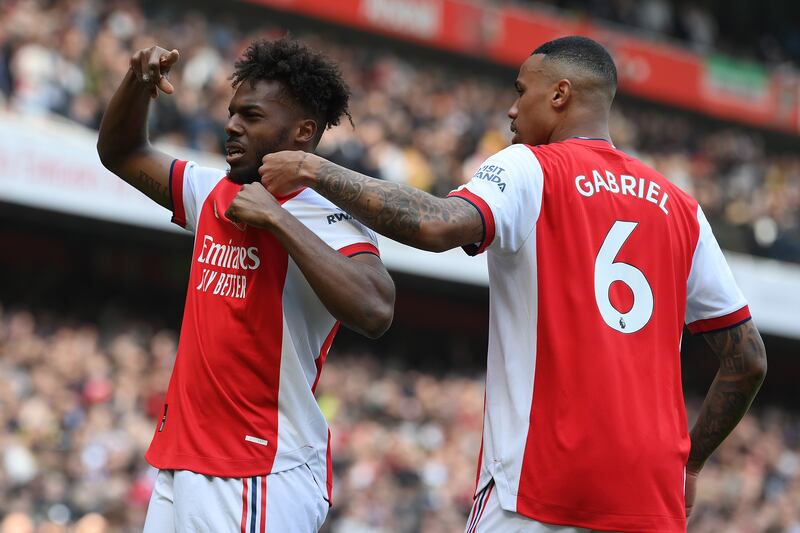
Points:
[[493, 174], [338, 217]]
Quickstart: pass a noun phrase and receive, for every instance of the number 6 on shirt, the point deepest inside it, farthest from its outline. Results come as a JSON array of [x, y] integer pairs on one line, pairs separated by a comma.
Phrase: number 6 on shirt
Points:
[[606, 272]]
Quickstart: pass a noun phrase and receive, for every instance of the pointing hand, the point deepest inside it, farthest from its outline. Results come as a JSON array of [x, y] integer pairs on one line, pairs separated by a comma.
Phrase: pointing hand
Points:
[[151, 66]]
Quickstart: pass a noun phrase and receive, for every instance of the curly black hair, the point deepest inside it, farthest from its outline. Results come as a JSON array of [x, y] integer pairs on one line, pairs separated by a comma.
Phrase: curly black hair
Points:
[[308, 77]]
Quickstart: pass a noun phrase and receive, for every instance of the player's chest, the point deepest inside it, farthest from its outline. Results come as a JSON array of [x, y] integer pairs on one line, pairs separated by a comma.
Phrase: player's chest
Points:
[[232, 259]]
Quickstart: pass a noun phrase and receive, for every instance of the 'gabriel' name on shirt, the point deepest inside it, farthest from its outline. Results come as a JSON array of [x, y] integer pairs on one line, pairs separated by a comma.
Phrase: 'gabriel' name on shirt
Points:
[[226, 256], [625, 185]]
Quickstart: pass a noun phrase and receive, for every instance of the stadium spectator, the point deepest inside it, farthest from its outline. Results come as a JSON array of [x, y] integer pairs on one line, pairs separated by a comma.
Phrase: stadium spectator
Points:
[[65, 58], [78, 402]]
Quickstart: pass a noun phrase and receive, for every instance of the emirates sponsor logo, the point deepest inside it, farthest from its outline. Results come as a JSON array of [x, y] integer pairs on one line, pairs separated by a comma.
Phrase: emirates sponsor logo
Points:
[[227, 256]]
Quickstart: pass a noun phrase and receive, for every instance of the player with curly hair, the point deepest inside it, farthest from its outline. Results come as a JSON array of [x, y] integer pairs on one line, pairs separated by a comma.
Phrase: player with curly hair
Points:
[[242, 445]]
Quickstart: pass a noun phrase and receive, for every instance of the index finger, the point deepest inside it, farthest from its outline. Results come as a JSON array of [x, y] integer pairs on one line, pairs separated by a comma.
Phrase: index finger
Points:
[[170, 58]]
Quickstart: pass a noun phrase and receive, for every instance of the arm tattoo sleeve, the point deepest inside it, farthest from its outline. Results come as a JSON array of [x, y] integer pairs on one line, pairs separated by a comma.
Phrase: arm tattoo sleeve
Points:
[[401, 212], [741, 372]]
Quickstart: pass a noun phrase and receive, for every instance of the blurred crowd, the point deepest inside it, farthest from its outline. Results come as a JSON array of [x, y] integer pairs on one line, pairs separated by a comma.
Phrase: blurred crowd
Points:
[[417, 122], [748, 30], [79, 403]]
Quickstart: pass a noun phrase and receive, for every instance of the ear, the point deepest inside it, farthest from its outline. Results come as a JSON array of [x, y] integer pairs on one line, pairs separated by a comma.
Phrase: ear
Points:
[[562, 92], [306, 131]]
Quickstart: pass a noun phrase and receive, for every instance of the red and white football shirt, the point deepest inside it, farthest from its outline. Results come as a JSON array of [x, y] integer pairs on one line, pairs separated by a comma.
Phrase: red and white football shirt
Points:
[[254, 338], [595, 263]]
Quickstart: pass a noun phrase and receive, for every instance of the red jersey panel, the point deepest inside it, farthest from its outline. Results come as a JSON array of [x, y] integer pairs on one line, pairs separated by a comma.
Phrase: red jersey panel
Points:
[[593, 258], [253, 341]]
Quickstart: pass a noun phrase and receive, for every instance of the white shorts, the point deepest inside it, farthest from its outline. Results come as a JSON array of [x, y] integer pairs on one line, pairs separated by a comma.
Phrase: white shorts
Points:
[[184, 501], [487, 516]]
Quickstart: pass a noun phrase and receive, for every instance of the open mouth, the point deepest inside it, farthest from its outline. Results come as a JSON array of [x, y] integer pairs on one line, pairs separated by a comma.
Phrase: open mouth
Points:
[[233, 153]]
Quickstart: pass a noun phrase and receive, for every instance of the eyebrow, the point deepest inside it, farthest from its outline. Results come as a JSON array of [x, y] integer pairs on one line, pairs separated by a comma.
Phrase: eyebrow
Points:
[[246, 107]]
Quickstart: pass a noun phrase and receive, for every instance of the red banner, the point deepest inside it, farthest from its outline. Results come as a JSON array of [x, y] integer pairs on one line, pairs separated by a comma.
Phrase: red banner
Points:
[[507, 35]]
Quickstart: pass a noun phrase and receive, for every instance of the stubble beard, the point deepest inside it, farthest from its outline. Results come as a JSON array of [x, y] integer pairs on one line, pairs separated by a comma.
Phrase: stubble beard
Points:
[[250, 174]]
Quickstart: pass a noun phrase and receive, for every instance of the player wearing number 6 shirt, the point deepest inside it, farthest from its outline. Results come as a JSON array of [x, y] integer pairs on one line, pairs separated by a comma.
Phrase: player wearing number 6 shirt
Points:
[[241, 445], [596, 262]]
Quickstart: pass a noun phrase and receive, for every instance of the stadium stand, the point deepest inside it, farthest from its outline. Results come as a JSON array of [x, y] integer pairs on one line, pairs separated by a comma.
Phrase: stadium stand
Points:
[[706, 26], [414, 123], [80, 392], [79, 400]]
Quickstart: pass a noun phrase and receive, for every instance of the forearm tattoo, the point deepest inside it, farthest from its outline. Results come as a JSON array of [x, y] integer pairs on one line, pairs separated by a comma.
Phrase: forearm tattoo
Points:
[[152, 187], [398, 211], [742, 361]]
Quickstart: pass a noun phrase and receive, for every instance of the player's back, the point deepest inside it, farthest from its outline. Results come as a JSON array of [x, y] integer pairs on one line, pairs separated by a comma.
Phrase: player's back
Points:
[[615, 242], [591, 260]]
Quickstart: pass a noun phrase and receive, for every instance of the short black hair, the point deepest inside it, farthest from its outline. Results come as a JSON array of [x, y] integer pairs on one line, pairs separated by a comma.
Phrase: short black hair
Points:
[[583, 52], [308, 77]]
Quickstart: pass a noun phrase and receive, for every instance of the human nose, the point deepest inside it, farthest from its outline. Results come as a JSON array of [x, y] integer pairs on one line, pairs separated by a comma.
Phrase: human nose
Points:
[[233, 127], [513, 110]]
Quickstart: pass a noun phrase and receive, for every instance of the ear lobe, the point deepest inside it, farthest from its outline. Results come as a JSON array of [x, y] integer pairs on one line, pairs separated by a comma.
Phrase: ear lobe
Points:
[[562, 93], [306, 131]]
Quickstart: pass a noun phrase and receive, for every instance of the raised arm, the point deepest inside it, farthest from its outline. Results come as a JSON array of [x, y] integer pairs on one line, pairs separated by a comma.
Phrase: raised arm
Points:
[[742, 368], [400, 212], [123, 143]]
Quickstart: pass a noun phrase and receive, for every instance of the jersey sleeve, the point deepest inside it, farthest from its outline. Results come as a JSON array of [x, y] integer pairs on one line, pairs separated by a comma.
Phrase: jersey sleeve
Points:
[[507, 191], [714, 301], [189, 185], [336, 228]]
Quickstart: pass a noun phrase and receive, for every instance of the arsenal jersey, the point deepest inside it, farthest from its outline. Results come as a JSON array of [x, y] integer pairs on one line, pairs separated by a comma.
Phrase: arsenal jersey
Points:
[[596, 262], [253, 341]]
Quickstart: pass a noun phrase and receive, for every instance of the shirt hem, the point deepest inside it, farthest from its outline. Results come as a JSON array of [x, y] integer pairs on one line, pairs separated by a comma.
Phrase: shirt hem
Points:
[[487, 217], [176, 184], [558, 515], [726, 321], [352, 250], [208, 466]]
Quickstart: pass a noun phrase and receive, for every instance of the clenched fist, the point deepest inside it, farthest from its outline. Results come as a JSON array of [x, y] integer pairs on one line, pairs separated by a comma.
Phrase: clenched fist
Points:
[[254, 206], [284, 172]]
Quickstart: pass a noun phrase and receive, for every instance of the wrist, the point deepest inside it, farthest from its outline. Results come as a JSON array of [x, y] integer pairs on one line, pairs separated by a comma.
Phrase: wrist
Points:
[[271, 218], [307, 171]]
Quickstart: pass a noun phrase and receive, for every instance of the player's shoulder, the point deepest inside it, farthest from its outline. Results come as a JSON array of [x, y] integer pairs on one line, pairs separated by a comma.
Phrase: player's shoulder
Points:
[[194, 166], [675, 191], [557, 157], [516, 153], [197, 171], [516, 162], [315, 210], [578, 148], [683, 208], [307, 199]]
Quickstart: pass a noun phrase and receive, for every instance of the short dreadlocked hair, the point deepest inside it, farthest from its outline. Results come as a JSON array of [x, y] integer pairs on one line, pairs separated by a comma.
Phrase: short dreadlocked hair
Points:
[[308, 77]]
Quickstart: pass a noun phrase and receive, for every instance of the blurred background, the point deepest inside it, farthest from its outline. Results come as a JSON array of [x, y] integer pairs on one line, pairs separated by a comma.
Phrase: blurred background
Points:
[[93, 276]]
